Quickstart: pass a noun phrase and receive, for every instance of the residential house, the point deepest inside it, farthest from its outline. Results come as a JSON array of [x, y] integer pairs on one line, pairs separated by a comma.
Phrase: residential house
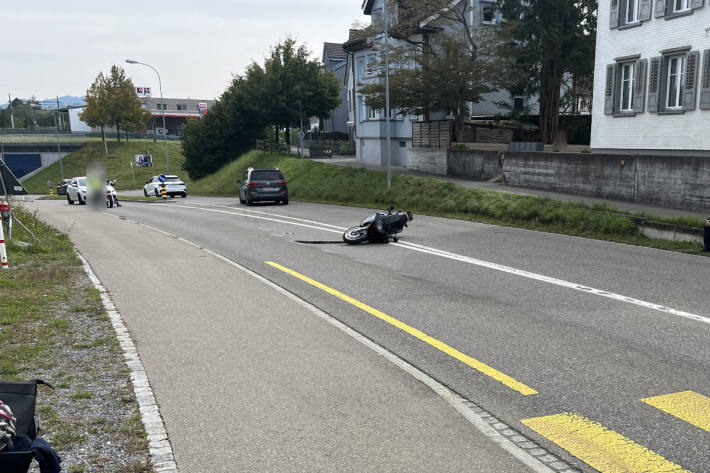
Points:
[[367, 124], [652, 77], [335, 59]]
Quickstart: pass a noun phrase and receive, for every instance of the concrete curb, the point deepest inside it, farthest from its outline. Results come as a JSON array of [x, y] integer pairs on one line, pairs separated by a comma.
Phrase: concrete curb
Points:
[[160, 450]]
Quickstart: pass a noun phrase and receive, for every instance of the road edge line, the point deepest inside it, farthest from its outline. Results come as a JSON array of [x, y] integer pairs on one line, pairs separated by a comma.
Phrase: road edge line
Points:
[[159, 448]]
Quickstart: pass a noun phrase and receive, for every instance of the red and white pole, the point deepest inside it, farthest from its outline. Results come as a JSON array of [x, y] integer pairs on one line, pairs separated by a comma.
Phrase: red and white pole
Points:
[[3, 253]]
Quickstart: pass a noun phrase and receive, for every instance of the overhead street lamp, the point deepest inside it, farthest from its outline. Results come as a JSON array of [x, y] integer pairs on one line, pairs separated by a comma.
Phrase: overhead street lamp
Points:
[[162, 107]]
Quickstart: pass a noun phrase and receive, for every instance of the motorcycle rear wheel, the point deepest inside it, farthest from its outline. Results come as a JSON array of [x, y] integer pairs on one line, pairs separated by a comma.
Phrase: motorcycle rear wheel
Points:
[[355, 235]]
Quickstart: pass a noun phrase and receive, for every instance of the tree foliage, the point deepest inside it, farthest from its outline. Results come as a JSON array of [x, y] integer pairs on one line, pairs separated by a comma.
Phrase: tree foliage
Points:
[[112, 101], [288, 87], [549, 39], [440, 61]]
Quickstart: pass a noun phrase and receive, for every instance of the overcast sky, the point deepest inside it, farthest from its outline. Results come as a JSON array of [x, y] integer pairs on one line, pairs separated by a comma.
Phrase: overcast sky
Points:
[[50, 47]]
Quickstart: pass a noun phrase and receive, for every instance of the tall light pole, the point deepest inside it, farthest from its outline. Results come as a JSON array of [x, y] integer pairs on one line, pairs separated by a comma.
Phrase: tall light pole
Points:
[[162, 107], [59, 148], [387, 99]]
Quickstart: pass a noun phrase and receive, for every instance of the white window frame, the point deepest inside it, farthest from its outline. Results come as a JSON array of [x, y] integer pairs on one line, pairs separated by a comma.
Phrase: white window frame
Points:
[[371, 65], [370, 112], [628, 18], [677, 73], [491, 4], [626, 94], [361, 67], [680, 6]]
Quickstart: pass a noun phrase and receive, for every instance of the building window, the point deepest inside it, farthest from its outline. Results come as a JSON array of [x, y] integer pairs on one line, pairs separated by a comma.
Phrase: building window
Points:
[[680, 5], [161, 106], [370, 112], [361, 67], [673, 81], [372, 65], [676, 81], [488, 13], [625, 93], [181, 107], [518, 104], [402, 144], [627, 87], [632, 11]]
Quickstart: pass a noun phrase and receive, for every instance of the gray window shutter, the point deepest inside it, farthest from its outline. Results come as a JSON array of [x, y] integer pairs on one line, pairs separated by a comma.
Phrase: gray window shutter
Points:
[[654, 84], [690, 93], [614, 20], [705, 85], [645, 10], [696, 4], [640, 85], [609, 92], [661, 8]]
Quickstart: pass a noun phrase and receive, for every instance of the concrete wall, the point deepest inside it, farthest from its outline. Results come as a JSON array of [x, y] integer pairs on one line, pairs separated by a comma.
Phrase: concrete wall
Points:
[[679, 182], [431, 160], [472, 164]]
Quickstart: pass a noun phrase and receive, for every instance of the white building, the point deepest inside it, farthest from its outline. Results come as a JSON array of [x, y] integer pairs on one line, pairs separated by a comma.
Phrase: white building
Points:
[[652, 77], [369, 125]]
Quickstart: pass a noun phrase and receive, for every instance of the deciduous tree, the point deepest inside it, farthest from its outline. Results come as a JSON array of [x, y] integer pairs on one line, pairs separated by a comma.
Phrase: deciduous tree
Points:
[[549, 39]]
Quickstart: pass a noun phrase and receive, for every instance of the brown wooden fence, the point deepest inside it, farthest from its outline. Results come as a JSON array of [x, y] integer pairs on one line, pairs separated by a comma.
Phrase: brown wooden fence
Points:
[[432, 134]]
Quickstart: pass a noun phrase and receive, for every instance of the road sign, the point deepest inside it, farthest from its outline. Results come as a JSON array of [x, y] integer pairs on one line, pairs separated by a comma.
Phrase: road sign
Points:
[[162, 178]]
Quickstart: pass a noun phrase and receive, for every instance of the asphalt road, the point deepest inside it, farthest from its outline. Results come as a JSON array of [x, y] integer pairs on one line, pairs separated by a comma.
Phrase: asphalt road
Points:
[[575, 332]]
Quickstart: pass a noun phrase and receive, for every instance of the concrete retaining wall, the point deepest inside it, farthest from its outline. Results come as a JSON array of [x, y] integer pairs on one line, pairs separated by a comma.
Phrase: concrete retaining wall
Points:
[[472, 164], [431, 160], [669, 181]]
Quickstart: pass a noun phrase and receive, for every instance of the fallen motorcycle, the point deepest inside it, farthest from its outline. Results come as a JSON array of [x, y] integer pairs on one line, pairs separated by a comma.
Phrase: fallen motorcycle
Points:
[[379, 227]]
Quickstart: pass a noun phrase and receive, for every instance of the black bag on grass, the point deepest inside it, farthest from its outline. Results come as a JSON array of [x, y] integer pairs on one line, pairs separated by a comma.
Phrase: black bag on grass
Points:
[[22, 399]]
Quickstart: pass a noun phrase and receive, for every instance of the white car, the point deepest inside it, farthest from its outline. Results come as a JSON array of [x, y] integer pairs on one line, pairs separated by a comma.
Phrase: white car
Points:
[[173, 186], [76, 190]]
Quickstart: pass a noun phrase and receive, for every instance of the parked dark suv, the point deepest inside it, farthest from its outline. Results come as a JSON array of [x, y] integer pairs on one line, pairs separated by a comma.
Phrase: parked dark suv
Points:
[[263, 185]]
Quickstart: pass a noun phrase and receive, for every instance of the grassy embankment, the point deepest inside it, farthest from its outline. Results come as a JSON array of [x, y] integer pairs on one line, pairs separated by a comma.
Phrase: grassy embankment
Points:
[[118, 166], [325, 183], [52, 327]]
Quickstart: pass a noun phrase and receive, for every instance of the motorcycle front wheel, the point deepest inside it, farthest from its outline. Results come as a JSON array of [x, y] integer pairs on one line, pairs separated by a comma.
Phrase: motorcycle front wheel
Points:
[[355, 235]]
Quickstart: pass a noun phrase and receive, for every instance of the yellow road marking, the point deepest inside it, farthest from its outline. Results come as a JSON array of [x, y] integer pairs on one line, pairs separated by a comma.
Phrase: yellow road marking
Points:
[[472, 362], [689, 406], [601, 448]]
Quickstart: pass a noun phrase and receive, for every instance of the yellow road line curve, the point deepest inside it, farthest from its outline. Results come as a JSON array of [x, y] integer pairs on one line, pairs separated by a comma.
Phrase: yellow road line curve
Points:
[[601, 448], [472, 362], [689, 406]]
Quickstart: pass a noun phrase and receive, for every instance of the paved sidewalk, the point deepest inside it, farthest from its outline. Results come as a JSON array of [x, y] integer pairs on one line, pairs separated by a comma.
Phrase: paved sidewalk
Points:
[[249, 380], [621, 205]]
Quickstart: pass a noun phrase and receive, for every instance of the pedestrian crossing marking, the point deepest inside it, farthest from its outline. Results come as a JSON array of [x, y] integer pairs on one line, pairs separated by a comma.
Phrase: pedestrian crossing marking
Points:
[[689, 406], [601, 448]]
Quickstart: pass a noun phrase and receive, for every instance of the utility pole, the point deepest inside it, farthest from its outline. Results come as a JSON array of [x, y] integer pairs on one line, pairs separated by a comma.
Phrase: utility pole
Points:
[[59, 147], [387, 99], [12, 112]]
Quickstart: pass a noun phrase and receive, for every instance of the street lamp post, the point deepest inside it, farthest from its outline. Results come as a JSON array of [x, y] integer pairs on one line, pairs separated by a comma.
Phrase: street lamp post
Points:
[[387, 99], [162, 108]]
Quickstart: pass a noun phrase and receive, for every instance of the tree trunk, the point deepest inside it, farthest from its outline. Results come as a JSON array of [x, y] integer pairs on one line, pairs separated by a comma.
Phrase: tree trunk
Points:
[[103, 138], [550, 84], [288, 137], [458, 124], [125, 130], [276, 134], [118, 132]]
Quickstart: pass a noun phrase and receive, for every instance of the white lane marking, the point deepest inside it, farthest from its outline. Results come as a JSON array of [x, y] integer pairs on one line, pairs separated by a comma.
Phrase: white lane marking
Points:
[[262, 218], [342, 229], [453, 399], [502, 268]]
